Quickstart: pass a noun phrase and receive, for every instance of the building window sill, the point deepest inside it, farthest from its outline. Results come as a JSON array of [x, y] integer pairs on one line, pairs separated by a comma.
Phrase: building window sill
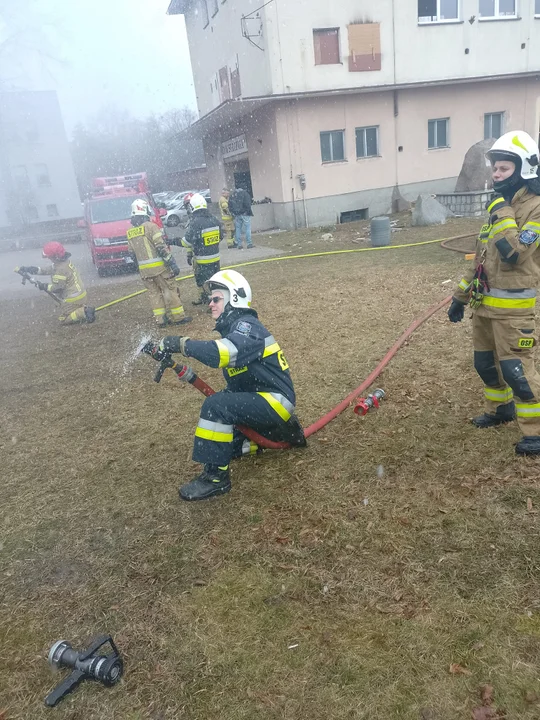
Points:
[[329, 64], [440, 22], [368, 157], [442, 147], [334, 162], [498, 19]]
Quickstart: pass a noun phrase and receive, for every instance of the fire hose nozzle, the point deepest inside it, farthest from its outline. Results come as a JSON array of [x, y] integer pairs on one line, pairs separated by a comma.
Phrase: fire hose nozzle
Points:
[[364, 405]]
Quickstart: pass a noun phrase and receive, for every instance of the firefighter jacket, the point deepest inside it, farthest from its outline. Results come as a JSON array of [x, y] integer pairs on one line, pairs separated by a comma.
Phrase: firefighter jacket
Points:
[[147, 244], [251, 359], [65, 280], [203, 235], [224, 207], [508, 248]]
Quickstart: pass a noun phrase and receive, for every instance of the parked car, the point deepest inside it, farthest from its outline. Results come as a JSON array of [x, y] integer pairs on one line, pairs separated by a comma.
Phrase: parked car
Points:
[[206, 195], [176, 199], [162, 197], [176, 216]]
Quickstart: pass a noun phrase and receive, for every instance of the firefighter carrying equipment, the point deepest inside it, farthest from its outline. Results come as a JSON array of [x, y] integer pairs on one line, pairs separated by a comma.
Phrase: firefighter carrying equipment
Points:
[[158, 269], [259, 395], [203, 235], [67, 285], [53, 250], [227, 220], [504, 332]]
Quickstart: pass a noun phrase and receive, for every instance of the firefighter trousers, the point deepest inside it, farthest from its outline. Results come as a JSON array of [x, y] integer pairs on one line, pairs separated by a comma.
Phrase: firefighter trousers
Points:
[[229, 231], [217, 441], [71, 313], [504, 351], [164, 296]]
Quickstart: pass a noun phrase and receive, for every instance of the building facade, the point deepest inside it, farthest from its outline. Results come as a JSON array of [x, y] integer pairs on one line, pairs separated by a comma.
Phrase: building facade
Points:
[[339, 111], [37, 179]]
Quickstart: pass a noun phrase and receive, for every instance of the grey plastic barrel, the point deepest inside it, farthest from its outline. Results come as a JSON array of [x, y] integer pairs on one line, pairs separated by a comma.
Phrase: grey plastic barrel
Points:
[[380, 231]]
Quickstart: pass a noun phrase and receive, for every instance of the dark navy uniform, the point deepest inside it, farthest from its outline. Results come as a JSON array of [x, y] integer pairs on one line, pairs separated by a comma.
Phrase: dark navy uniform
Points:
[[259, 394], [202, 239]]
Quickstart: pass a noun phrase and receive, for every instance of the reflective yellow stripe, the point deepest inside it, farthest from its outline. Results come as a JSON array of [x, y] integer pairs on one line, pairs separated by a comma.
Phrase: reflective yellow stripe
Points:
[[464, 284], [203, 261], [528, 409], [277, 406], [531, 226], [56, 278], [159, 311], [508, 303], [502, 225], [502, 396], [76, 298], [177, 310], [213, 435], [271, 349], [224, 354], [145, 265]]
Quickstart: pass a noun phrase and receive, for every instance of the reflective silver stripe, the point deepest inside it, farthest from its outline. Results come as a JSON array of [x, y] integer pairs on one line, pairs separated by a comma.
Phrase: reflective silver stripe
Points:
[[270, 340], [206, 258], [233, 352], [282, 400], [214, 426], [142, 263], [512, 294]]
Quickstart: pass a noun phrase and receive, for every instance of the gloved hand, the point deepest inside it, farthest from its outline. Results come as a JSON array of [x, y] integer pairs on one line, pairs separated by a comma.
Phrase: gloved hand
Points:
[[173, 344], [42, 285], [29, 269], [456, 311], [190, 258], [173, 267], [495, 203]]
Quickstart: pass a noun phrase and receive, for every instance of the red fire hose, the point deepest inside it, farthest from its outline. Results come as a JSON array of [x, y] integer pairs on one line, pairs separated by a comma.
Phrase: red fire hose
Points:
[[344, 404]]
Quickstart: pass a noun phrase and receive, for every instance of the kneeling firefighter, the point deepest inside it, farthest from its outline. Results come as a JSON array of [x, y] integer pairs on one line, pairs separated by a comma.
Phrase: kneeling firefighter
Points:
[[259, 394], [203, 235], [501, 290], [65, 283], [157, 266]]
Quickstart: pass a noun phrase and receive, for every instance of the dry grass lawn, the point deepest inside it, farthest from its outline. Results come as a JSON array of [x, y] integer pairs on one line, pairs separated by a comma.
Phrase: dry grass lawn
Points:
[[342, 581]]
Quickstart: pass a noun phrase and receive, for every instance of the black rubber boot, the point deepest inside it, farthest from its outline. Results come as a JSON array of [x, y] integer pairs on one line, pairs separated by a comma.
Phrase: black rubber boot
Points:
[[504, 414], [212, 481], [183, 321], [90, 314], [528, 445]]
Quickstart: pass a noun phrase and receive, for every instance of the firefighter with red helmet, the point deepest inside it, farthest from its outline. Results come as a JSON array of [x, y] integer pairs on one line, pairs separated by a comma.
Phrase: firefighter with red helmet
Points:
[[65, 283]]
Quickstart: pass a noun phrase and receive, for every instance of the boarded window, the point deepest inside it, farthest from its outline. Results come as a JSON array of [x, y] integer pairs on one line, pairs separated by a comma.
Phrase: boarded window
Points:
[[236, 86], [326, 46], [224, 84], [364, 47]]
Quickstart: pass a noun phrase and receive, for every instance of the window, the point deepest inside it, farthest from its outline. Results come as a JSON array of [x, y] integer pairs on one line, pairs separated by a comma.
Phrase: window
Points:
[[333, 146], [498, 8], [42, 175], [52, 211], [438, 133], [493, 125], [326, 46], [537, 8], [31, 212], [437, 10], [204, 12], [214, 6], [367, 142], [20, 174], [364, 47]]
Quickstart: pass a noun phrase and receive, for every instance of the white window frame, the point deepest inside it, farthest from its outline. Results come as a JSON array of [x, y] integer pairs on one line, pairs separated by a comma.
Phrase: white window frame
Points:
[[439, 20], [491, 114], [364, 129], [440, 147], [496, 16], [331, 132]]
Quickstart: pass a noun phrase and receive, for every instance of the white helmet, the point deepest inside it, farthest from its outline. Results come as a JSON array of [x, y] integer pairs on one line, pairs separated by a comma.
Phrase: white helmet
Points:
[[517, 145], [140, 207], [197, 202], [236, 284]]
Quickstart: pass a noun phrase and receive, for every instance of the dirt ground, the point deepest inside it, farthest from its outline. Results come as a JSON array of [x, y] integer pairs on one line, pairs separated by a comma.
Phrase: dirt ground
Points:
[[388, 571]]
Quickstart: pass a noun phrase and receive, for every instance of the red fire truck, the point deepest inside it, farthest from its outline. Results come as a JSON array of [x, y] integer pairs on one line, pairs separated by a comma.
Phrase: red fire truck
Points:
[[107, 212]]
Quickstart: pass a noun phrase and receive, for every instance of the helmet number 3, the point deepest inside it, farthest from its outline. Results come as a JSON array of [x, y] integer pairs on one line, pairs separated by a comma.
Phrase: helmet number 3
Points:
[[235, 297], [281, 359]]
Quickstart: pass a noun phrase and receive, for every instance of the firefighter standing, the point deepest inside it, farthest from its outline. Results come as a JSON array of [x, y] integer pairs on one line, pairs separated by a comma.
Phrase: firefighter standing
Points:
[[203, 235], [65, 283], [157, 266], [227, 218], [259, 394], [501, 290]]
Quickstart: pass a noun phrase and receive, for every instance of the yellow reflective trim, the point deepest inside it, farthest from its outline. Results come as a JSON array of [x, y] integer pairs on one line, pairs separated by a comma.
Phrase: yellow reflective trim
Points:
[[159, 311], [531, 226], [516, 141], [224, 354], [201, 261], [55, 278], [278, 407], [144, 265], [213, 435], [76, 298], [271, 349], [528, 409], [464, 284], [502, 396], [502, 225], [508, 302], [135, 232], [177, 310]]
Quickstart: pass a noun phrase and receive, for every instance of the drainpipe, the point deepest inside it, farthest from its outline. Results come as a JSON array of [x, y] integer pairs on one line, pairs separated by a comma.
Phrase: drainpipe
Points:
[[302, 180], [294, 210]]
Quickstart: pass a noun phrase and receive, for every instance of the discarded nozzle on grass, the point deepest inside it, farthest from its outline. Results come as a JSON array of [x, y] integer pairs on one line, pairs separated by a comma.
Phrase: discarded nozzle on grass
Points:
[[364, 405], [106, 669]]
